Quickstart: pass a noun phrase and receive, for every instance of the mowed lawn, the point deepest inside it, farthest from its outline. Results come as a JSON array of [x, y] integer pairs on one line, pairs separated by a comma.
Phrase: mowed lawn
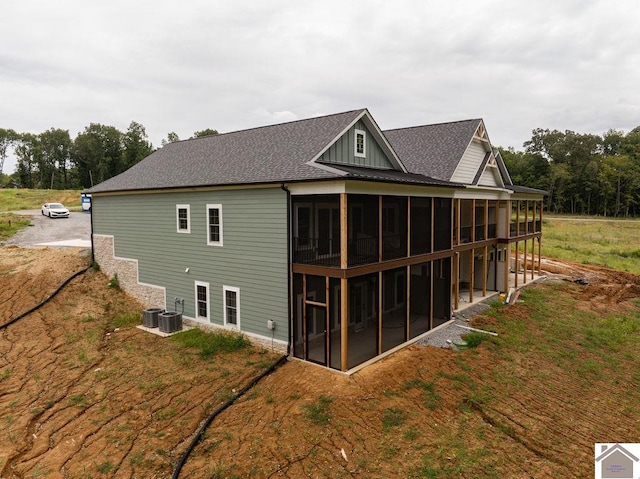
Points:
[[613, 243]]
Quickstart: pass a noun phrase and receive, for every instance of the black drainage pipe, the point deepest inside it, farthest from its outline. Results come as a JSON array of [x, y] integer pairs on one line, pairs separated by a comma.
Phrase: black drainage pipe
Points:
[[46, 300], [224, 406]]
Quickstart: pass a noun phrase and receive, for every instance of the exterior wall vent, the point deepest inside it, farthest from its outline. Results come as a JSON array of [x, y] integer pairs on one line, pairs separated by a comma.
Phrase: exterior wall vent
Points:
[[150, 317], [170, 321]]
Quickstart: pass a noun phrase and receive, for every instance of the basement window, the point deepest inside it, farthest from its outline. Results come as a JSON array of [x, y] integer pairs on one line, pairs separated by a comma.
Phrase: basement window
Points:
[[202, 300], [360, 143], [231, 300]]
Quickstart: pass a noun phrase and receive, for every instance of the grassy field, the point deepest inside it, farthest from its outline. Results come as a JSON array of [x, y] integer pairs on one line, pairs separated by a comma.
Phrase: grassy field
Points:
[[26, 199], [613, 243]]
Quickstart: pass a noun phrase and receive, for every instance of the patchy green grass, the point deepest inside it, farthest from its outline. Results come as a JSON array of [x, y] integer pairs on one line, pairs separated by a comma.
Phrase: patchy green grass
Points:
[[430, 395], [10, 224], [126, 319], [393, 417], [318, 412], [612, 243], [210, 343]]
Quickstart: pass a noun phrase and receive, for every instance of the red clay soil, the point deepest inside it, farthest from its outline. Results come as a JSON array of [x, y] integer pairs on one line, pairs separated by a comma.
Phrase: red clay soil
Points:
[[80, 398]]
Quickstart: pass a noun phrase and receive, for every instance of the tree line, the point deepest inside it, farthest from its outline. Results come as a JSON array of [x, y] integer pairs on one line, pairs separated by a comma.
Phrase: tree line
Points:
[[581, 173], [53, 160]]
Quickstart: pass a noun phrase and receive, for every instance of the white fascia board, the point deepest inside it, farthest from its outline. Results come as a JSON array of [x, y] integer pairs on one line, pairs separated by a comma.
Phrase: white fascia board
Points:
[[362, 187], [483, 193], [317, 188]]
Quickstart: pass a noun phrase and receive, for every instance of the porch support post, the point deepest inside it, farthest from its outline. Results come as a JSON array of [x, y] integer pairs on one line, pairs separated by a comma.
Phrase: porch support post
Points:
[[456, 280], [433, 215], [408, 300], [534, 216], [516, 264], [380, 241], [408, 226], [472, 261], [484, 270], [524, 263], [507, 266], [458, 221], [327, 333], [304, 316], [431, 294], [540, 240], [473, 220], [380, 289], [539, 255], [486, 220], [344, 285], [344, 240], [344, 322], [507, 251], [533, 257]]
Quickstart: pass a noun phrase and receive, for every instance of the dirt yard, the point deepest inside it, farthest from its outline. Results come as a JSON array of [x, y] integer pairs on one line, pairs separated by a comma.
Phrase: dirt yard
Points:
[[83, 393]]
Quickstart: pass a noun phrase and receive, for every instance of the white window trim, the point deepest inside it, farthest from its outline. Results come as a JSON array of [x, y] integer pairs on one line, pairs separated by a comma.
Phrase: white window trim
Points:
[[209, 242], [188, 208], [206, 286], [364, 143], [224, 306]]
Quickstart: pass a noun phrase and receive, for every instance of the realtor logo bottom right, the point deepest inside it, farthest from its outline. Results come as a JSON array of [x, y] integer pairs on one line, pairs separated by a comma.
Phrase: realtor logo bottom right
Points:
[[618, 460]]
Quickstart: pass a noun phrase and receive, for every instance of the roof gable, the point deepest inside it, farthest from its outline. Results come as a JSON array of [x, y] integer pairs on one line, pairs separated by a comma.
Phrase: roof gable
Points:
[[377, 153], [475, 158], [343, 150], [489, 173], [433, 150]]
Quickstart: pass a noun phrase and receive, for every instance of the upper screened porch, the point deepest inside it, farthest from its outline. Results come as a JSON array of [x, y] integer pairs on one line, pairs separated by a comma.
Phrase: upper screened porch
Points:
[[382, 228]]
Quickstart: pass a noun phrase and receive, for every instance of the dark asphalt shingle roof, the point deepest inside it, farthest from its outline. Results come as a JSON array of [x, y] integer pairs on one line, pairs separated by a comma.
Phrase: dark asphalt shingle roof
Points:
[[433, 150], [260, 155], [283, 153], [393, 176]]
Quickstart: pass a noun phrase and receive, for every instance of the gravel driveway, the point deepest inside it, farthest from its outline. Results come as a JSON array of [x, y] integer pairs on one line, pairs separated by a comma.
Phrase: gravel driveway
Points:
[[60, 232]]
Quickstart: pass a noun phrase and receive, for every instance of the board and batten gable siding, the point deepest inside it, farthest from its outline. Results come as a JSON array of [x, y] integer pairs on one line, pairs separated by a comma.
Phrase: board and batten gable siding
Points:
[[342, 152], [490, 177], [253, 257], [470, 163]]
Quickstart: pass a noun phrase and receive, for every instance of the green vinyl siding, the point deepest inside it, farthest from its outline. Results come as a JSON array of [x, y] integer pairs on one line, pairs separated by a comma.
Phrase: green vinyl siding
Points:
[[343, 151], [253, 257]]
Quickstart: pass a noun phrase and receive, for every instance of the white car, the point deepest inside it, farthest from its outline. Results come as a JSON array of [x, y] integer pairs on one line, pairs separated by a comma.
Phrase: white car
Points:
[[55, 210]]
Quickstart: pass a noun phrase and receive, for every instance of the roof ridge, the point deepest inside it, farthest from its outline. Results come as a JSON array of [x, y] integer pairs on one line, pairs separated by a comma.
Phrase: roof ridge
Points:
[[270, 126], [433, 124]]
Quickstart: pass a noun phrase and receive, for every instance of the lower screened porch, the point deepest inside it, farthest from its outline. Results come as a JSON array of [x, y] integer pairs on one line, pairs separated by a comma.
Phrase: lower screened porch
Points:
[[387, 309], [383, 310]]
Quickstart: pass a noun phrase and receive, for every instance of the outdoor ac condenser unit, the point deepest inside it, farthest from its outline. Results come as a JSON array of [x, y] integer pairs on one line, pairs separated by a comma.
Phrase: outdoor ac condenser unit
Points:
[[150, 317], [170, 321]]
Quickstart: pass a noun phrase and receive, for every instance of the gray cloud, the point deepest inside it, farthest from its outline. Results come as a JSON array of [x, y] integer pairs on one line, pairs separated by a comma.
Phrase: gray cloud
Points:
[[228, 65]]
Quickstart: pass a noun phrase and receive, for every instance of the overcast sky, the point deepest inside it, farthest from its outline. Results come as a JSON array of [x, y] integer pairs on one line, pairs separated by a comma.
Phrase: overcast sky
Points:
[[230, 65]]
